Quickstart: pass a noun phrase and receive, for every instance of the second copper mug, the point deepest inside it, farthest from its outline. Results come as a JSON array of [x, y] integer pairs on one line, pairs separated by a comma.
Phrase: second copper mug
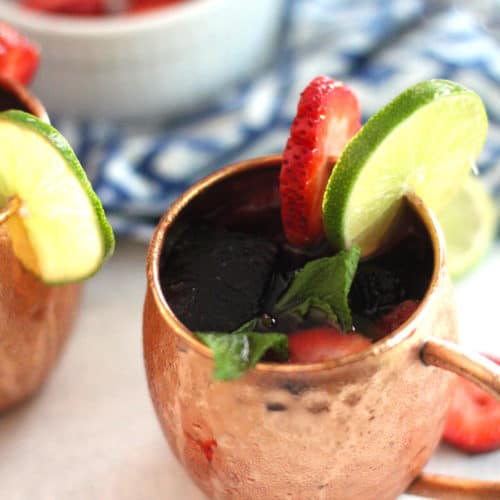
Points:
[[360, 427], [35, 318]]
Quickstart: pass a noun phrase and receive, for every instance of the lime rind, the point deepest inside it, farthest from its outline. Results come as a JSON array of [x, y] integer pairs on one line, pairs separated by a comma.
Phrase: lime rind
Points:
[[391, 132], [64, 220]]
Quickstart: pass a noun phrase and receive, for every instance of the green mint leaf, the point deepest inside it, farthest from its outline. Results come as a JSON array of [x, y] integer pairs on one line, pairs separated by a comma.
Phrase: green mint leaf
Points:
[[235, 353], [312, 311], [304, 309], [249, 326], [323, 283]]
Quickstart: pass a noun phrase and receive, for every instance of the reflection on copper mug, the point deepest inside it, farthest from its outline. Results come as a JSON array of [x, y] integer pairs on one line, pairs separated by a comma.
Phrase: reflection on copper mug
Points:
[[35, 319], [359, 427]]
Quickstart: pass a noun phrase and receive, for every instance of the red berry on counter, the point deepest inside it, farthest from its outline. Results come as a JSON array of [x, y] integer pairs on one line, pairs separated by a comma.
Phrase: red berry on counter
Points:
[[328, 115], [322, 344], [473, 419], [397, 316], [18, 56]]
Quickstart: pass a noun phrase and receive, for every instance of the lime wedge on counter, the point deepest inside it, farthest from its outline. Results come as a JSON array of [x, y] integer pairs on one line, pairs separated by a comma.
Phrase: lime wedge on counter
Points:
[[469, 223], [424, 141], [60, 231]]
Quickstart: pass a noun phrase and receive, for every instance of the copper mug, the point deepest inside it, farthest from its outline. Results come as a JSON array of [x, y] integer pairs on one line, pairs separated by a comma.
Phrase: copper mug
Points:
[[360, 427], [35, 319]]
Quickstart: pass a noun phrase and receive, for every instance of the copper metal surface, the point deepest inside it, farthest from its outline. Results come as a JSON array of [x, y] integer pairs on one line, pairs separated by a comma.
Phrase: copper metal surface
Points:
[[360, 427], [473, 366], [446, 488], [35, 320]]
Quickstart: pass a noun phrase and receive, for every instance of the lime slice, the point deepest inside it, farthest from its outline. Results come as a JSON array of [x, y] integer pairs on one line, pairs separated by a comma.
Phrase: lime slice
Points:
[[425, 141], [59, 231], [469, 224]]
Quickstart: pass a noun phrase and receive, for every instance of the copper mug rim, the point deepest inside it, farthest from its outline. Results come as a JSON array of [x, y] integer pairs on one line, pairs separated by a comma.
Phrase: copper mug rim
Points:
[[399, 335]]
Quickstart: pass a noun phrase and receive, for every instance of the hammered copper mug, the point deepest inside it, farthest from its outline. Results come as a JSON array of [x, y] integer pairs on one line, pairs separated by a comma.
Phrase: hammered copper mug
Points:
[[359, 427], [35, 319]]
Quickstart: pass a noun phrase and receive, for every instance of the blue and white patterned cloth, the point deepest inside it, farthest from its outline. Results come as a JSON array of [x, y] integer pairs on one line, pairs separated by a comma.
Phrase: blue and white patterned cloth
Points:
[[378, 47]]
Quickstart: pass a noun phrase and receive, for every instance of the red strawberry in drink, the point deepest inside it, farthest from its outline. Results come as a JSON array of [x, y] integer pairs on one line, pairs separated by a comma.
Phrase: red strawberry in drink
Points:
[[324, 343], [18, 56], [473, 419], [327, 117], [397, 316]]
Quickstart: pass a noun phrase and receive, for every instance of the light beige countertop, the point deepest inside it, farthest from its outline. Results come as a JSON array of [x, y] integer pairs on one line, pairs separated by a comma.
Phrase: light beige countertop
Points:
[[91, 434]]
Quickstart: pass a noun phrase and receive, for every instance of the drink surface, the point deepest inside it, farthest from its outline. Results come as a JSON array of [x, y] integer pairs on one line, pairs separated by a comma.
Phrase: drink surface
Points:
[[232, 265]]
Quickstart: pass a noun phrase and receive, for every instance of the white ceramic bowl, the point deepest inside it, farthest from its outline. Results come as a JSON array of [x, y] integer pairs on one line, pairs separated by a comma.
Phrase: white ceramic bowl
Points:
[[150, 66]]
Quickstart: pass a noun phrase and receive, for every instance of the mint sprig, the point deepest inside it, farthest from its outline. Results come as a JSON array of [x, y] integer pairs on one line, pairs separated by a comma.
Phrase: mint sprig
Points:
[[235, 353], [322, 284]]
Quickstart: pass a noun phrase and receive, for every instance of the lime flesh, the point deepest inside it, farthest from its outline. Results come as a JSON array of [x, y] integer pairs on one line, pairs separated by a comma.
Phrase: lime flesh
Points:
[[60, 231], [425, 141], [469, 223]]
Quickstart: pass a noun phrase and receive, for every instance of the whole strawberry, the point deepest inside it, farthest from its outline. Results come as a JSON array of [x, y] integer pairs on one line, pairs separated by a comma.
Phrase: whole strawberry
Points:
[[18, 56], [473, 419], [68, 7]]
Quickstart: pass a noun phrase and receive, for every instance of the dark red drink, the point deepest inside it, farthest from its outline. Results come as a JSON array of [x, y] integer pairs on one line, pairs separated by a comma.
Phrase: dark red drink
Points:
[[230, 263]]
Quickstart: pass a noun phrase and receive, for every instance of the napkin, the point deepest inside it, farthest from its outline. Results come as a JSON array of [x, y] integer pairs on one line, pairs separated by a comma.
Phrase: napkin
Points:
[[378, 47]]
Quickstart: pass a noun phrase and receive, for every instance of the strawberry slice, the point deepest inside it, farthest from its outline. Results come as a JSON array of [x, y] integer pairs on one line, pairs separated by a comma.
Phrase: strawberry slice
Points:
[[322, 344], [397, 316], [473, 419], [68, 7], [18, 56], [328, 115]]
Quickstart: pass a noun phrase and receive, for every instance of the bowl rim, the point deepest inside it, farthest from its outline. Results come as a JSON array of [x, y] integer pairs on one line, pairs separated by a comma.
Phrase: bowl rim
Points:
[[387, 343], [57, 25]]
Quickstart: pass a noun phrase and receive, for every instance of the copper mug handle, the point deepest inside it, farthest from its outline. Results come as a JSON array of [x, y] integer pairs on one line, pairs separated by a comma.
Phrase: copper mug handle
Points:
[[484, 373]]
